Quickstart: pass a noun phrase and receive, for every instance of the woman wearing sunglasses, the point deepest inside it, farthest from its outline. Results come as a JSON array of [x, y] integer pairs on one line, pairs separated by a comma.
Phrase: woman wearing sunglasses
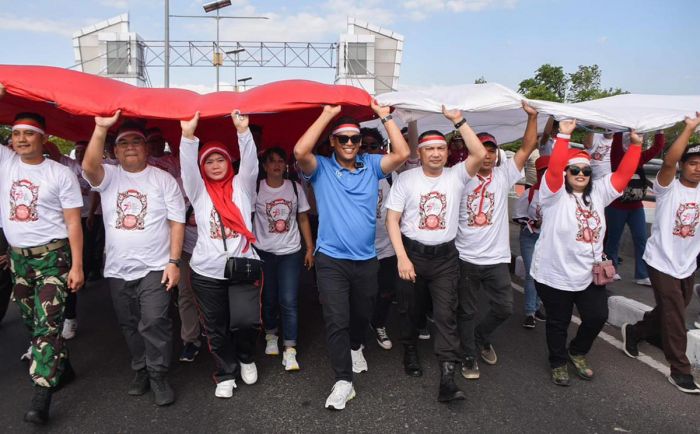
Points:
[[570, 243]]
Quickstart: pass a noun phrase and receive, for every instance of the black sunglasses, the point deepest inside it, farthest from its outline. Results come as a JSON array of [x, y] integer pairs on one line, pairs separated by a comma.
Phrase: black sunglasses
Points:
[[372, 146], [344, 139], [575, 170]]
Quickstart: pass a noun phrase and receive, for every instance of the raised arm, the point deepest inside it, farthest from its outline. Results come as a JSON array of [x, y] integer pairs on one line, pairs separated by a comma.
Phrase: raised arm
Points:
[[529, 139], [248, 169], [399, 148], [476, 149], [192, 181], [92, 162], [559, 159], [547, 133], [304, 146], [621, 177], [675, 152]]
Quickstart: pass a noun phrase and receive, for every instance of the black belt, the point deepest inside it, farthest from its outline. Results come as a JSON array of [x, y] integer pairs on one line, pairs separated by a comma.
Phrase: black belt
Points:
[[425, 250]]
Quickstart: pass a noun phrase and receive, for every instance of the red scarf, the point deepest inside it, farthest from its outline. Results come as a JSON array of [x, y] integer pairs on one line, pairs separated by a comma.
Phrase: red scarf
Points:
[[221, 193]]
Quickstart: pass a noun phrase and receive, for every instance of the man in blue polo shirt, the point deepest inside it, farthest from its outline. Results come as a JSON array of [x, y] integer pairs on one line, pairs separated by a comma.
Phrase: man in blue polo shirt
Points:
[[346, 186]]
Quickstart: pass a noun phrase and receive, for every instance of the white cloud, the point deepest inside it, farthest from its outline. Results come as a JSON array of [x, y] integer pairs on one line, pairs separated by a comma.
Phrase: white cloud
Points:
[[116, 4], [420, 9], [603, 40], [14, 23]]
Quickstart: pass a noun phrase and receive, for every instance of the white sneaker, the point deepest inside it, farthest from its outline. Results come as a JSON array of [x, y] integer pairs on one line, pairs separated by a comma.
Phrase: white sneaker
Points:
[[359, 364], [617, 277], [28, 355], [225, 389], [342, 392], [645, 281], [289, 360], [271, 349], [424, 334], [249, 373], [69, 328]]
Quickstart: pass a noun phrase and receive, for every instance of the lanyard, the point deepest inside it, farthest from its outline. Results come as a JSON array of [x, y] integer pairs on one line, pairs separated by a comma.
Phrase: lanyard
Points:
[[483, 185]]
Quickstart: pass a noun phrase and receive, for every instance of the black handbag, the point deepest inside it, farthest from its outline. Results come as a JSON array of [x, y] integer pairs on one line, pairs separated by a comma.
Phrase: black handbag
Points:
[[240, 269]]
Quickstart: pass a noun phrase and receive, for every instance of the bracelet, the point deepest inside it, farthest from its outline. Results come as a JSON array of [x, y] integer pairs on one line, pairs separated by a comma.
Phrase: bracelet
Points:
[[387, 118], [460, 123]]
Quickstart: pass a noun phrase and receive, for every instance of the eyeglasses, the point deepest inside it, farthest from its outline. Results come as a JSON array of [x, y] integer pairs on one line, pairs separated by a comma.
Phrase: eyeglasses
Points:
[[575, 170], [356, 139]]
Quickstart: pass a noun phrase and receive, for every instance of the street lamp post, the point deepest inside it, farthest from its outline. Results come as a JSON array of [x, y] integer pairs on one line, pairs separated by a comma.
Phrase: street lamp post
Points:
[[218, 58], [236, 52], [244, 80]]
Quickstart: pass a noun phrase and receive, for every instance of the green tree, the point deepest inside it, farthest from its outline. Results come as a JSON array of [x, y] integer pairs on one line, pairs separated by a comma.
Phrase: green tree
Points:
[[585, 85], [549, 84]]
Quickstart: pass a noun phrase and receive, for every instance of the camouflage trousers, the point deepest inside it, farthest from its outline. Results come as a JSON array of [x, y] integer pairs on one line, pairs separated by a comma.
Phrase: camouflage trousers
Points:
[[40, 289]]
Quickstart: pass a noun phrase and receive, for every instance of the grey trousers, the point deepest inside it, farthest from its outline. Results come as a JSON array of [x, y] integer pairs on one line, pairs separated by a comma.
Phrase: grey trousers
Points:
[[187, 305], [142, 307], [495, 281]]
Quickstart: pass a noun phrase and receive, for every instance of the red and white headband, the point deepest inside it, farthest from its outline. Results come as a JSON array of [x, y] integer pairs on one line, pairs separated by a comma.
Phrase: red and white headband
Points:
[[28, 124], [345, 128], [128, 133], [579, 160], [215, 149], [431, 140]]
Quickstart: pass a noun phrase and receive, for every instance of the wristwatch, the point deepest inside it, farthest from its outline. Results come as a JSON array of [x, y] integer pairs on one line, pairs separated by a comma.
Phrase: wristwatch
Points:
[[387, 118], [460, 123], [175, 262]]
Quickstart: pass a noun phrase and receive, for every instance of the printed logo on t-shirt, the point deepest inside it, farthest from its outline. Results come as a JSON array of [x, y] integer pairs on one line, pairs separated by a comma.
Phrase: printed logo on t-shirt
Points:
[[132, 207], [589, 225], [380, 200], [600, 152], [687, 217], [24, 196], [215, 228], [480, 208], [279, 212], [431, 210]]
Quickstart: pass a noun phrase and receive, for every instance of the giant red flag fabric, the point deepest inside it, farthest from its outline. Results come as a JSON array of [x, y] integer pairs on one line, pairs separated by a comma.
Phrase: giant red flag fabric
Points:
[[69, 100]]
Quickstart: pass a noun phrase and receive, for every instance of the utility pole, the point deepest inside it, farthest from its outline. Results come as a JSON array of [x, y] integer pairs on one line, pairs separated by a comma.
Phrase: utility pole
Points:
[[166, 53]]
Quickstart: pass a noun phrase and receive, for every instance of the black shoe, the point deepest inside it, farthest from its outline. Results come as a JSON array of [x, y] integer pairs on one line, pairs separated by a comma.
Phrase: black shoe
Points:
[[540, 315], [684, 383], [140, 384], [470, 369], [411, 363], [163, 394], [67, 376], [629, 341], [39, 411], [189, 352], [529, 322], [448, 389]]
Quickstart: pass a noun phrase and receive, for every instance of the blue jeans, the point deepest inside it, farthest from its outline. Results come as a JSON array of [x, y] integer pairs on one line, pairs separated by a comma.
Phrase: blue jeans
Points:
[[636, 219], [527, 247], [280, 289]]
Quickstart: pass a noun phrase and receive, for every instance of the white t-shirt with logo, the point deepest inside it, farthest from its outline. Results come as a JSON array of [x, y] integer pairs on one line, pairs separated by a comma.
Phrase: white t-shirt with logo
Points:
[[600, 155], [209, 256], [136, 209], [430, 205], [483, 237], [32, 199], [382, 242], [674, 243], [570, 235], [276, 227]]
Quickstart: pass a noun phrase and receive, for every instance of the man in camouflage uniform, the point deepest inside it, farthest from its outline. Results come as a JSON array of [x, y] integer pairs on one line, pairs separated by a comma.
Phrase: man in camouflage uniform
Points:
[[40, 206]]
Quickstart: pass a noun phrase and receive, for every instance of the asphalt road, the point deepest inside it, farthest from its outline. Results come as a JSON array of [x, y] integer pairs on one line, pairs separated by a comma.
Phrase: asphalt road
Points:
[[513, 396]]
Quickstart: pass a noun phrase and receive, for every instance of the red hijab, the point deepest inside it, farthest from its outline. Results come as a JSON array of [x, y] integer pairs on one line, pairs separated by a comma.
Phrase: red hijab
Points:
[[221, 193]]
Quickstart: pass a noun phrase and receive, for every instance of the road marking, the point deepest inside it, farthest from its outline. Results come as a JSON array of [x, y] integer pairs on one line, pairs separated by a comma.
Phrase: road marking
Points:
[[612, 340]]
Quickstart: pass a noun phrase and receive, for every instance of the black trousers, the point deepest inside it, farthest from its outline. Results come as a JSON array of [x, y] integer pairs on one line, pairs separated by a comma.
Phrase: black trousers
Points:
[[592, 305], [230, 313], [387, 278], [347, 290], [439, 276]]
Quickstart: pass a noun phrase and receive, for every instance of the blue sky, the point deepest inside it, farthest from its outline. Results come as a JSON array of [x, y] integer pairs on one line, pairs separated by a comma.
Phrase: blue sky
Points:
[[642, 46]]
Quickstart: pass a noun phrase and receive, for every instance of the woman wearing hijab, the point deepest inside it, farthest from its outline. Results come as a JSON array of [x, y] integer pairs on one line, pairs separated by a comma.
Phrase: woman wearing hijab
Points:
[[226, 271]]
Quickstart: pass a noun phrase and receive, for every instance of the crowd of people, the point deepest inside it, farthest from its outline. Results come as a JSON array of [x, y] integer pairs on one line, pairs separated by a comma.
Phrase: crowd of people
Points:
[[424, 225]]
